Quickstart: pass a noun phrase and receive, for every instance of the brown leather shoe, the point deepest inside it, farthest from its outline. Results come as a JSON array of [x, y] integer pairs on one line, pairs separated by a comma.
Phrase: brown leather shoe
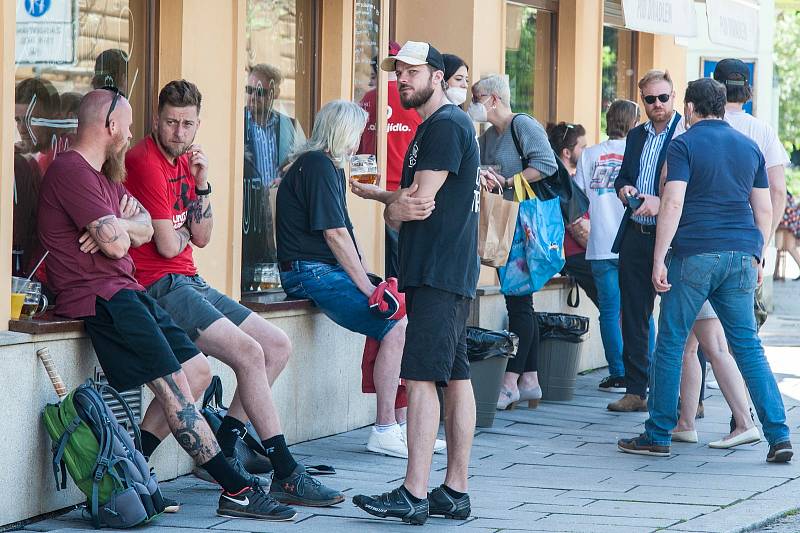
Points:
[[629, 403]]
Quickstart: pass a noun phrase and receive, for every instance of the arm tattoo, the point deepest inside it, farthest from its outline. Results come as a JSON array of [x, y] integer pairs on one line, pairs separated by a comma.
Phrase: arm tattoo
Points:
[[197, 213], [207, 213], [184, 236], [104, 229]]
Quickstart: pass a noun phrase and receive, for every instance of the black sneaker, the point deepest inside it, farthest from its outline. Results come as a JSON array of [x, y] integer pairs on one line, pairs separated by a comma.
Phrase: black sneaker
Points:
[[612, 384], [236, 464], [442, 504], [396, 504], [253, 502], [641, 445], [780, 453], [302, 489]]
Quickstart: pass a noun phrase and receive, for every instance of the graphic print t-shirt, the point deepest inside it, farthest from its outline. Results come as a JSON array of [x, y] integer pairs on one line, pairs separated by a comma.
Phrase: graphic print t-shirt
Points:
[[167, 192], [442, 250], [597, 170]]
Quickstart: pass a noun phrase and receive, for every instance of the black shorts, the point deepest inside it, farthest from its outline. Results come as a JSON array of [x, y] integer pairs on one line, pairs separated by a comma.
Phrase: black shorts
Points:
[[135, 340], [436, 336]]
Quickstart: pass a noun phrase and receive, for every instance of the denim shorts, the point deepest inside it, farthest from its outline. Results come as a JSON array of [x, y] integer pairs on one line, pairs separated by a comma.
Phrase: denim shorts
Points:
[[194, 304], [332, 290]]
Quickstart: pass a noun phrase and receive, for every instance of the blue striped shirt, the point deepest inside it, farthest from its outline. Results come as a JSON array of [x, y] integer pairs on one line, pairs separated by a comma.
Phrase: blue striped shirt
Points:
[[646, 182], [263, 142]]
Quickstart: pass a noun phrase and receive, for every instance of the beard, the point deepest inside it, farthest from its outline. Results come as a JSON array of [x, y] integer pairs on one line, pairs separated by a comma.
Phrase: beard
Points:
[[114, 165], [170, 148], [417, 99]]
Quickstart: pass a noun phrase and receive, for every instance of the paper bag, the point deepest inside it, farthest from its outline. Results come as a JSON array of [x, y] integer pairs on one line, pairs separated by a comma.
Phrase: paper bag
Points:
[[498, 219]]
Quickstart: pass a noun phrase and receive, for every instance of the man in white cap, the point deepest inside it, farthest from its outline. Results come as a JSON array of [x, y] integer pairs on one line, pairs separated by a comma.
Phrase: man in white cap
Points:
[[436, 212]]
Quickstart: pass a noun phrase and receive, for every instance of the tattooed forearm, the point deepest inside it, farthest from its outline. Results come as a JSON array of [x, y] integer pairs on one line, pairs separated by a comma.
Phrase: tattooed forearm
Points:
[[199, 210], [207, 213], [184, 236], [104, 230]]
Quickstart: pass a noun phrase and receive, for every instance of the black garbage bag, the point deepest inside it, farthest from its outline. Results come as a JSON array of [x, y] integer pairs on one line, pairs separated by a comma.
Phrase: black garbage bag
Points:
[[560, 326], [484, 343]]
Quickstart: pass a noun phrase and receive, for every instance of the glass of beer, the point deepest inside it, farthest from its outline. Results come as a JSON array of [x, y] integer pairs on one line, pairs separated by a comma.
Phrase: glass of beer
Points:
[[270, 277], [364, 168], [29, 293]]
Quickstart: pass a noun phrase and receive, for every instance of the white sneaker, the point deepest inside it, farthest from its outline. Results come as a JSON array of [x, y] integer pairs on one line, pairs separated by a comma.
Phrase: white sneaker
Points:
[[439, 446], [391, 442]]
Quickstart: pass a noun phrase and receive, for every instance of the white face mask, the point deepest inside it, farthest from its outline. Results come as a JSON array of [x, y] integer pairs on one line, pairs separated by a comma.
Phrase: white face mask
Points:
[[457, 95], [477, 111]]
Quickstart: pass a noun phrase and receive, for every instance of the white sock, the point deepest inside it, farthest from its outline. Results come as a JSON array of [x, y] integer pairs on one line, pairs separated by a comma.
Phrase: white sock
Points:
[[383, 428]]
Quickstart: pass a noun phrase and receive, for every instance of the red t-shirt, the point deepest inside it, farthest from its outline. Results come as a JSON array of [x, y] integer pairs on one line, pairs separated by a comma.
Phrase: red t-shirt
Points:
[[166, 191], [401, 127], [74, 194], [571, 246]]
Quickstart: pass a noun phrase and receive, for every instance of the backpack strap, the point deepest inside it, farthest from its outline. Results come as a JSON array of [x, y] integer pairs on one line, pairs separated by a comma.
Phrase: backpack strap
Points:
[[214, 392], [137, 433], [574, 294], [525, 161], [58, 456]]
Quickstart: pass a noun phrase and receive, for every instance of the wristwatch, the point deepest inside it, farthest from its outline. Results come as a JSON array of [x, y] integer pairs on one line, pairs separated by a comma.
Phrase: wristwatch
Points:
[[203, 192]]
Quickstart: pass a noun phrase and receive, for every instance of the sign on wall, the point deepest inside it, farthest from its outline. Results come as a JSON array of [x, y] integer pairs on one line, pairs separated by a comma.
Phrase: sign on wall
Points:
[[666, 17], [46, 32], [733, 23]]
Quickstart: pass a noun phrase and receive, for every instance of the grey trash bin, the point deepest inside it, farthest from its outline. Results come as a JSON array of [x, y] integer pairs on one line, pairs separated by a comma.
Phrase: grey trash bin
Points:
[[560, 346], [488, 352]]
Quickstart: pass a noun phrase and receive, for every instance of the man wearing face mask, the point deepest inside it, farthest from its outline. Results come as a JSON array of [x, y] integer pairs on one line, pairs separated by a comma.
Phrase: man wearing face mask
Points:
[[169, 173]]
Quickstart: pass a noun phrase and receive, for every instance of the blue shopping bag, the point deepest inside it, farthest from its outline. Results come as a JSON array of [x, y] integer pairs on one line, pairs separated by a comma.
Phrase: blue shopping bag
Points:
[[537, 251]]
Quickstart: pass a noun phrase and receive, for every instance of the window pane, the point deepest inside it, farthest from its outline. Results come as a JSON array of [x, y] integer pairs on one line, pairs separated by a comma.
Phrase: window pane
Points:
[[65, 49], [618, 69], [529, 43], [279, 90], [365, 67]]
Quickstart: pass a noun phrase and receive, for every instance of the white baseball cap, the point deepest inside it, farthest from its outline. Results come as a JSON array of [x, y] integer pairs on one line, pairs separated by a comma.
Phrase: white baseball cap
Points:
[[415, 53]]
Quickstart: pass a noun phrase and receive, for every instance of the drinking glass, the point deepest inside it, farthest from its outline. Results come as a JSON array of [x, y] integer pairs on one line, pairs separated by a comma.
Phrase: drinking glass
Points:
[[364, 168]]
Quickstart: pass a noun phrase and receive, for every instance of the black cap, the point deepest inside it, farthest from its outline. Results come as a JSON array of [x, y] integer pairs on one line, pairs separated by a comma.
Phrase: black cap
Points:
[[732, 72]]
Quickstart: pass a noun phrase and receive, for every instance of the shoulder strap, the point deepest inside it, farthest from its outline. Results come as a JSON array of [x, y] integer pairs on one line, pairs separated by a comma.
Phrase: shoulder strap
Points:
[[574, 294], [517, 144]]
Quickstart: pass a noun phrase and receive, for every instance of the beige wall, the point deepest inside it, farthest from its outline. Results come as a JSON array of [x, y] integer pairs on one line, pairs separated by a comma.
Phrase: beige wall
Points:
[[7, 36]]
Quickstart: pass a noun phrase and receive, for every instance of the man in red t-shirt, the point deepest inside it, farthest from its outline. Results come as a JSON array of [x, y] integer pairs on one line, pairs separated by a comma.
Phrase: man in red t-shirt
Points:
[[89, 223], [168, 173]]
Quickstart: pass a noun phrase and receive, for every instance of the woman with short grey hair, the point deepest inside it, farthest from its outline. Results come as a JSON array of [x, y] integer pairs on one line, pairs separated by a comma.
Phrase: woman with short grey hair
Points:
[[501, 161]]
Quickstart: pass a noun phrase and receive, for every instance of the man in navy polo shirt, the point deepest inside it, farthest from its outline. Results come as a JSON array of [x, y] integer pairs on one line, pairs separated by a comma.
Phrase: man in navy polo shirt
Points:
[[716, 213]]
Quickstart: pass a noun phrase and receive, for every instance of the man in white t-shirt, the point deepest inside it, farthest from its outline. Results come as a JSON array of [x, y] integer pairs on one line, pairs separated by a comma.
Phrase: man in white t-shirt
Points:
[[596, 172], [735, 75]]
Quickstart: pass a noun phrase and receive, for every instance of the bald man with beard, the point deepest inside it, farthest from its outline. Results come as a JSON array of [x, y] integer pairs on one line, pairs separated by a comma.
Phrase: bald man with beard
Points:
[[88, 222]]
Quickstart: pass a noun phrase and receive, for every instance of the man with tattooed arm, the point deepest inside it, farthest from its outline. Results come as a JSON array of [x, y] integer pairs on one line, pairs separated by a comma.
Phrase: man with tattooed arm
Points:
[[168, 173], [89, 222]]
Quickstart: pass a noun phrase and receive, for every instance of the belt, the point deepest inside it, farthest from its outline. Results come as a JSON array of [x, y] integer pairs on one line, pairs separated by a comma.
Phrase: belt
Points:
[[644, 229]]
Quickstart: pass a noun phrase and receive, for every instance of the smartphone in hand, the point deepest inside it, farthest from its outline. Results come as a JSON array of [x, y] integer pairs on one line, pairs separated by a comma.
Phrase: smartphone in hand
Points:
[[634, 201]]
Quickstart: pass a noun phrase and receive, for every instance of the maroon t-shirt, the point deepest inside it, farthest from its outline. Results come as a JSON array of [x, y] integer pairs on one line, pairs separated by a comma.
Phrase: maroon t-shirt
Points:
[[72, 195]]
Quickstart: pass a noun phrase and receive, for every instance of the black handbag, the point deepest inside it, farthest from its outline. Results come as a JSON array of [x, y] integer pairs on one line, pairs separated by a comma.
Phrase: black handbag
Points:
[[248, 448], [574, 202]]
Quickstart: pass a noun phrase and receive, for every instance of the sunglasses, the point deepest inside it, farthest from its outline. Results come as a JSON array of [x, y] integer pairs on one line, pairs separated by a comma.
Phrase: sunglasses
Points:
[[650, 99], [117, 94], [567, 127], [258, 91]]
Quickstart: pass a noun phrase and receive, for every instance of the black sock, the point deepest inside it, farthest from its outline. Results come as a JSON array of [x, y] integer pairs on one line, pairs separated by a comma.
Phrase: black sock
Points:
[[149, 444], [229, 431], [223, 472], [280, 456], [411, 497], [453, 493]]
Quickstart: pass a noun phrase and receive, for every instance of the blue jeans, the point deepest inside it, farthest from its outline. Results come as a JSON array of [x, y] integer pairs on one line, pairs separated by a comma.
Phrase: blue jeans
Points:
[[332, 290], [728, 280], [606, 278]]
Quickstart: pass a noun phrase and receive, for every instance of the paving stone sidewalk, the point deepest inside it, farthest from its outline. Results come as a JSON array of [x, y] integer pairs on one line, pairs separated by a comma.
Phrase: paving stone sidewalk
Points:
[[553, 469]]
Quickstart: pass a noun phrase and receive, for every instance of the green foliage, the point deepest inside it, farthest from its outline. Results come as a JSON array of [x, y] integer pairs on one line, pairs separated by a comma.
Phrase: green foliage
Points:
[[793, 181], [520, 64], [787, 68]]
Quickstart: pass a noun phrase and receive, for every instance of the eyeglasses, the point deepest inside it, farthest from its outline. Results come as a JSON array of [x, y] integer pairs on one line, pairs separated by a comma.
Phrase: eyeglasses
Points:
[[650, 99], [476, 98], [259, 91], [117, 94]]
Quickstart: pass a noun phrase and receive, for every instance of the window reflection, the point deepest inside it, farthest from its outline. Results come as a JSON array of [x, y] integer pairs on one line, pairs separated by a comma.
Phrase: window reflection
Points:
[[277, 111], [618, 62], [58, 60], [365, 68]]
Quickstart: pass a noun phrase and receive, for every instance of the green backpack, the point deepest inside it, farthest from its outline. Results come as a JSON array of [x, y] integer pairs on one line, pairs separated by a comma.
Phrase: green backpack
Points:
[[101, 457]]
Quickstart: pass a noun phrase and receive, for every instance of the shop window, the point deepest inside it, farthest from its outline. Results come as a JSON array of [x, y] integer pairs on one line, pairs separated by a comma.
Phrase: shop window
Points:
[[366, 32], [64, 49], [619, 69], [278, 112], [530, 41]]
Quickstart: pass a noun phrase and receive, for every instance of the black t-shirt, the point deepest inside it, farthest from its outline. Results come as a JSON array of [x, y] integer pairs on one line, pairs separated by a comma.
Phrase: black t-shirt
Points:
[[312, 197], [442, 250]]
